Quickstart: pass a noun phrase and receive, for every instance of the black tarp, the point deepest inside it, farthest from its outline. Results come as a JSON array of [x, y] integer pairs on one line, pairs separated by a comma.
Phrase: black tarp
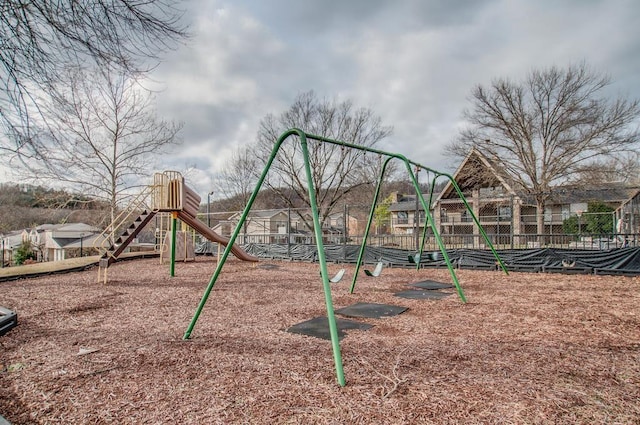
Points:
[[619, 261]]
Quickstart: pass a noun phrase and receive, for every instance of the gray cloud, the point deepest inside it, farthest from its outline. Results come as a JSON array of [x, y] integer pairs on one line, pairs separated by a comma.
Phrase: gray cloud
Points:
[[413, 62]]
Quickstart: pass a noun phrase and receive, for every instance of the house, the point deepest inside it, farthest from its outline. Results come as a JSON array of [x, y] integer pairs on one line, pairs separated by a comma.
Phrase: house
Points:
[[508, 216], [11, 242], [282, 225], [488, 195], [404, 211], [53, 242], [339, 226], [627, 215], [56, 240], [270, 226]]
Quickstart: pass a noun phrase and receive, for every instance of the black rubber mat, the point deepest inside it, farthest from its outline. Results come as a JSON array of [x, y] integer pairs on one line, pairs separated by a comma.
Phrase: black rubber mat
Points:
[[8, 320], [416, 294], [431, 285], [371, 310], [319, 327]]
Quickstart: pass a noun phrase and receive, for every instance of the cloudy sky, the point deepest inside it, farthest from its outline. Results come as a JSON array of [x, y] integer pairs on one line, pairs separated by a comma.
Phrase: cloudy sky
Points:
[[413, 62]]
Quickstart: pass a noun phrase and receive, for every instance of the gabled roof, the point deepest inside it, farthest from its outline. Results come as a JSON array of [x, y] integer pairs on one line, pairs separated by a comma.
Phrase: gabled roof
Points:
[[408, 203], [476, 170], [13, 239], [68, 227], [77, 227], [258, 214], [605, 192], [13, 233], [47, 226], [87, 241]]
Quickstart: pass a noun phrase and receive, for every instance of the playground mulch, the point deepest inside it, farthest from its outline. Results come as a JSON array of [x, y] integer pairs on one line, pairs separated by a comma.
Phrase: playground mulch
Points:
[[526, 348]]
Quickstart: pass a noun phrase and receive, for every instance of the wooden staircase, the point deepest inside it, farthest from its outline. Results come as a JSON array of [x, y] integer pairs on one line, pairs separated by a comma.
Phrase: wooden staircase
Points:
[[119, 245]]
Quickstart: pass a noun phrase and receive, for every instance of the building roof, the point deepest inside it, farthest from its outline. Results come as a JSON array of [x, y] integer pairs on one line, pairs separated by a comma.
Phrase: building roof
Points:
[[476, 170], [68, 227], [408, 203], [87, 241], [614, 193]]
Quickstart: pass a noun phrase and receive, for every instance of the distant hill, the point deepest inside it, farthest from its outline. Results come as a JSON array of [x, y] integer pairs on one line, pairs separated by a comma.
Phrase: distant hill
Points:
[[362, 197], [23, 206]]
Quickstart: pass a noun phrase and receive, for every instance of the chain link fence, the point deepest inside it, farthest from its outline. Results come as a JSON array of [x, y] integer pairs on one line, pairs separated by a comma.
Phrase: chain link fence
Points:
[[506, 225]]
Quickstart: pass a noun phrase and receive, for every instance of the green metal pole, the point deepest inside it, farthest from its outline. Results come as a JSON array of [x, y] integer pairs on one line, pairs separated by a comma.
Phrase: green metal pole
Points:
[[318, 232], [475, 219], [333, 328], [436, 234], [424, 232], [174, 222], [408, 163], [236, 231], [404, 159], [369, 221]]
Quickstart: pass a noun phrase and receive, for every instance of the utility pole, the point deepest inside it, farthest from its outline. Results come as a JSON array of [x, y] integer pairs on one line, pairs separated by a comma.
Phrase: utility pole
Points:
[[209, 209]]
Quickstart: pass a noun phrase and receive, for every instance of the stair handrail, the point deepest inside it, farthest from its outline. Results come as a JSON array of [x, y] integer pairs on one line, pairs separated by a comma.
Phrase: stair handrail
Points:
[[140, 202]]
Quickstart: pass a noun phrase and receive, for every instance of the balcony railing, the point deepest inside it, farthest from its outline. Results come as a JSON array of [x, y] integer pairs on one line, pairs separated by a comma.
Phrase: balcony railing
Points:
[[407, 221]]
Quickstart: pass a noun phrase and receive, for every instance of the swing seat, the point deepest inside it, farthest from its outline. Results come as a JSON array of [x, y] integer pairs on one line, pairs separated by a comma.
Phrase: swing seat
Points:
[[376, 272], [338, 277]]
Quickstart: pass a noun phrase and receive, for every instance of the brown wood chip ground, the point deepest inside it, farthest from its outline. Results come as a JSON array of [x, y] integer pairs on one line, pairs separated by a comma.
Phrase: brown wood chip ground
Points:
[[526, 348]]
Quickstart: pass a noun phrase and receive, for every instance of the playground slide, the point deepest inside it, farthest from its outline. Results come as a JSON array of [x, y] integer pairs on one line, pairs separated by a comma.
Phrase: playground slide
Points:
[[205, 231]]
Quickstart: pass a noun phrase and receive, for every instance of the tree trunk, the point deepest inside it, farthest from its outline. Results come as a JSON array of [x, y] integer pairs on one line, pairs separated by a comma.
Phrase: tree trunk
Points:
[[540, 204]]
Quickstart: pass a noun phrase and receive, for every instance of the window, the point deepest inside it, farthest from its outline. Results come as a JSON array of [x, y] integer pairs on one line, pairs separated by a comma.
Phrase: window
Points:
[[504, 213], [403, 218]]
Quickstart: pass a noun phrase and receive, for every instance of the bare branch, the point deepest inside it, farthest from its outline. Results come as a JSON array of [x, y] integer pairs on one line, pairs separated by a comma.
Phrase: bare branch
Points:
[[102, 136], [544, 130], [41, 39], [239, 177], [335, 170]]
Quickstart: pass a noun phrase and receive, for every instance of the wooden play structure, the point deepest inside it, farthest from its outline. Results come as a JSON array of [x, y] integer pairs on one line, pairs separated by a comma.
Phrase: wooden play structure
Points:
[[168, 194]]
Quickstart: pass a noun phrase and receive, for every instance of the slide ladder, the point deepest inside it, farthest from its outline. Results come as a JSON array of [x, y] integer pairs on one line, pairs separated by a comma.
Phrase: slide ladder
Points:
[[120, 244]]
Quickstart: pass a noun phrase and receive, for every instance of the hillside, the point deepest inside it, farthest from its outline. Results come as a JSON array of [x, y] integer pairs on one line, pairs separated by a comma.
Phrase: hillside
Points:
[[23, 206]]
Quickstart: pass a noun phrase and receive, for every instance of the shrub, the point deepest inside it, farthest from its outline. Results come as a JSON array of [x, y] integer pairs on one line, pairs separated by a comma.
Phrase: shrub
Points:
[[23, 253]]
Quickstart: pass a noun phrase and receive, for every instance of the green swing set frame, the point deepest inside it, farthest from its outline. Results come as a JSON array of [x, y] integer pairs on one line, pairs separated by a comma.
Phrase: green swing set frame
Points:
[[302, 139]]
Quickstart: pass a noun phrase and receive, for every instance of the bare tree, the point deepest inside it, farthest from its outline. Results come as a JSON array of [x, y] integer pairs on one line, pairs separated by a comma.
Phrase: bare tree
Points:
[[40, 39], [336, 171], [104, 136], [239, 177], [612, 169], [543, 130]]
